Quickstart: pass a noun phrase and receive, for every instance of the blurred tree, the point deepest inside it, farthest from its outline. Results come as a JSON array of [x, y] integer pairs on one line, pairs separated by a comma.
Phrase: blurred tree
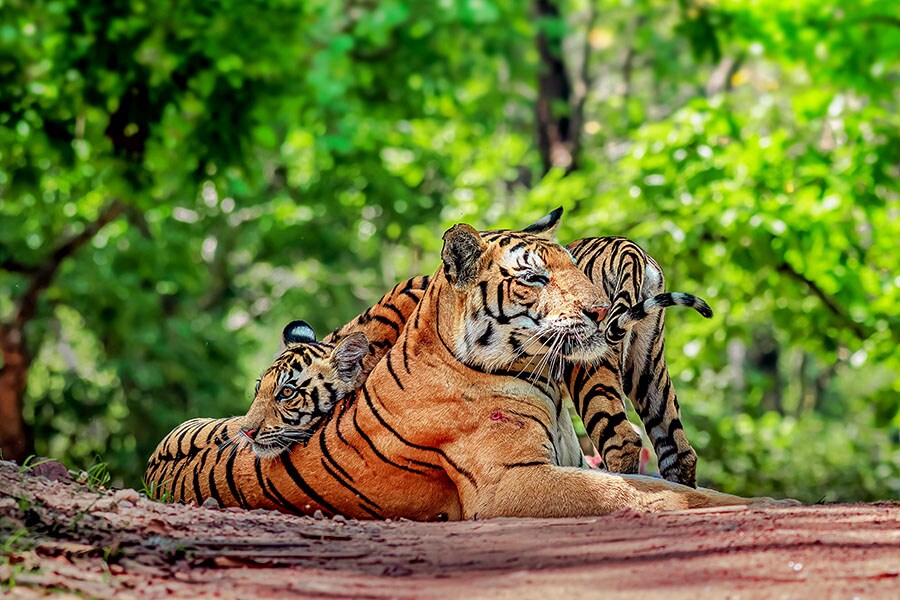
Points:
[[292, 159]]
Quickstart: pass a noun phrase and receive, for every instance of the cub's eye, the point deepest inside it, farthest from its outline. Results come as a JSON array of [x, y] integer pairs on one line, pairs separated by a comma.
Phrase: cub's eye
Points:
[[534, 279], [287, 392]]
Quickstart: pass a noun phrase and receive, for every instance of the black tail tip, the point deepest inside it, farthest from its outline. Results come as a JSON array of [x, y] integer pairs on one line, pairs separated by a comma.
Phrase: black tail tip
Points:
[[704, 309]]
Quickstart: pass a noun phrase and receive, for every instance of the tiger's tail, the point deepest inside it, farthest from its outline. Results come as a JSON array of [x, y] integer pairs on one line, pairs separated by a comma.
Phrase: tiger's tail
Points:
[[659, 302]]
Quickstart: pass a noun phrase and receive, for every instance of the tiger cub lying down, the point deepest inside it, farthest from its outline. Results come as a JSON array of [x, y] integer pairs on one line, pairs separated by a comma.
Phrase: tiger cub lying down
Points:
[[308, 378], [444, 426]]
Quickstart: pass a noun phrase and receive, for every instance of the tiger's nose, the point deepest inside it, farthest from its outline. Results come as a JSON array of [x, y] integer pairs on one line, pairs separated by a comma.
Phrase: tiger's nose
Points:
[[597, 312], [250, 433]]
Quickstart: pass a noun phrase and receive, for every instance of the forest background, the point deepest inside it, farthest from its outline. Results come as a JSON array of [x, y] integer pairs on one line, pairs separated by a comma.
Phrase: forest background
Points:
[[178, 180]]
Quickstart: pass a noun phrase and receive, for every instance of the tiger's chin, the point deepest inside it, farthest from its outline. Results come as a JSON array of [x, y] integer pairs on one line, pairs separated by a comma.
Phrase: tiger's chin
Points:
[[588, 350], [277, 447]]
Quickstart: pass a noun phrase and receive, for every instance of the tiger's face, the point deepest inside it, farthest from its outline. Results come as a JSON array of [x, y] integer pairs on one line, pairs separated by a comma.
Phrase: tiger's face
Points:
[[300, 389], [525, 302]]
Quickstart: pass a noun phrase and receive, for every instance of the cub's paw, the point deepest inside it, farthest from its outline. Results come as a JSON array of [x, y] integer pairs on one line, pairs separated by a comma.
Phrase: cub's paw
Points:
[[683, 469]]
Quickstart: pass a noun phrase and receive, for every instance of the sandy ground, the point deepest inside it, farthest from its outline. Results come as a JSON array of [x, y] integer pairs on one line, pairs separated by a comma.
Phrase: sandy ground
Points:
[[59, 537]]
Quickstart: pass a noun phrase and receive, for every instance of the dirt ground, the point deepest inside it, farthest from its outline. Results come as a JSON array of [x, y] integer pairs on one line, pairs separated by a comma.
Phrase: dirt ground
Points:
[[60, 537]]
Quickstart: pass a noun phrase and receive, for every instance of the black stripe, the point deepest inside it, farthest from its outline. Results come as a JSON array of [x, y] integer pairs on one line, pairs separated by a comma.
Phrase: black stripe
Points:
[[396, 311], [613, 421], [337, 428], [533, 463], [394, 432], [406, 354], [327, 455], [390, 366], [388, 322], [349, 487], [198, 493], [619, 447], [294, 474], [666, 453], [229, 479], [381, 456], [213, 488], [274, 496]]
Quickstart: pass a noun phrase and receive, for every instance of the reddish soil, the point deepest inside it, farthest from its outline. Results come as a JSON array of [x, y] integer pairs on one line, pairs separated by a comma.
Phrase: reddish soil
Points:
[[116, 544]]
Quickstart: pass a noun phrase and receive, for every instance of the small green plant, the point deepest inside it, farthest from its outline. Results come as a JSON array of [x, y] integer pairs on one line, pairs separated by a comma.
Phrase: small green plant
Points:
[[95, 478], [31, 462], [152, 490], [98, 476], [11, 558]]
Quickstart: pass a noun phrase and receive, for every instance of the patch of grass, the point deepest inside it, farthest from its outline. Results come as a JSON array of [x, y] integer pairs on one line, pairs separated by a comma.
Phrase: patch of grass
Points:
[[96, 478], [12, 561], [157, 491]]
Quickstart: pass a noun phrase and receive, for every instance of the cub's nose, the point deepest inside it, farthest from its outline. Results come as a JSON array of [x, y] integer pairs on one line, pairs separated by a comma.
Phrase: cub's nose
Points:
[[250, 433], [597, 312]]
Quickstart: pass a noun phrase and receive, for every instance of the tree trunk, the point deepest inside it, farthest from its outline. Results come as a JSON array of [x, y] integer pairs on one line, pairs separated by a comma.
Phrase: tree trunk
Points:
[[14, 442], [555, 135]]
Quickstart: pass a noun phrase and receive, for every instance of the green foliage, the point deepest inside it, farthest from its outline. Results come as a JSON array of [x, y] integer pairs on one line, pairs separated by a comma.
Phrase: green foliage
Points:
[[293, 159], [98, 476], [152, 490]]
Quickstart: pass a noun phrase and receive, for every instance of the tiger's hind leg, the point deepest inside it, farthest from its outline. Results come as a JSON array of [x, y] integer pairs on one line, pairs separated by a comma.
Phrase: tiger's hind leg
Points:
[[649, 386], [596, 391]]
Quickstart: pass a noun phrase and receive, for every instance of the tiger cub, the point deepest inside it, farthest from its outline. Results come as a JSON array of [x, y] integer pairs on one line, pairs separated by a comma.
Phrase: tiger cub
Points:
[[627, 273], [305, 389], [311, 377], [314, 376]]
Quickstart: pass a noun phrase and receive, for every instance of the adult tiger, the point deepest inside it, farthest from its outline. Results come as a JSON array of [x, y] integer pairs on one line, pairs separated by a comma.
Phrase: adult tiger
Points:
[[442, 427]]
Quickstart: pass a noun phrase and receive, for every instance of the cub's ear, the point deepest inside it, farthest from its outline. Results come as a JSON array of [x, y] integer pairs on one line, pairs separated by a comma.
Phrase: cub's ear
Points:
[[462, 252], [347, 357], [297, 332], [546, 226]]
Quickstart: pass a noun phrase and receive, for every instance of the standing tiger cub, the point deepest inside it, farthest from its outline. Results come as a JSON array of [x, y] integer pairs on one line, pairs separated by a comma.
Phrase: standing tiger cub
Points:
[[627, 275]]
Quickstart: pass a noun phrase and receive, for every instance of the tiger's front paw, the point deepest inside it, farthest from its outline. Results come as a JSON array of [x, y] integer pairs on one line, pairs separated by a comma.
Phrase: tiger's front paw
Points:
[[622, 453]]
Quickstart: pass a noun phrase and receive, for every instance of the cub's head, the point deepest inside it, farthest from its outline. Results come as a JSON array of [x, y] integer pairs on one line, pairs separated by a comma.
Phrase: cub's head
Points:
[[301, 387], [519, 300]]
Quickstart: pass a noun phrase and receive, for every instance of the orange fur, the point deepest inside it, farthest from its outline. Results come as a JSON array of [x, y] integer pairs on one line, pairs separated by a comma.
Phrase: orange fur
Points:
[[444, 427]]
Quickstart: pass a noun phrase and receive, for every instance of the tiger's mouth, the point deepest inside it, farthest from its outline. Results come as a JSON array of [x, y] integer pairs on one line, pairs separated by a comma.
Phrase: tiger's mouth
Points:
[[576, 343], [273, 445], [565, 343]]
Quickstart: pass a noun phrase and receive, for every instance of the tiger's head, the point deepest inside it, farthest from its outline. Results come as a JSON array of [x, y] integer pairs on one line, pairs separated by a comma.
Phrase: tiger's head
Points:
[[301, 387], [520, 300]]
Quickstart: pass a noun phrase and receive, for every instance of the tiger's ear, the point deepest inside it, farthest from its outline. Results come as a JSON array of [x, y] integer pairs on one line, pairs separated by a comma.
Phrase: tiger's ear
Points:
[[297, 332], [347, 357], [462, 252], [546, 226]]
